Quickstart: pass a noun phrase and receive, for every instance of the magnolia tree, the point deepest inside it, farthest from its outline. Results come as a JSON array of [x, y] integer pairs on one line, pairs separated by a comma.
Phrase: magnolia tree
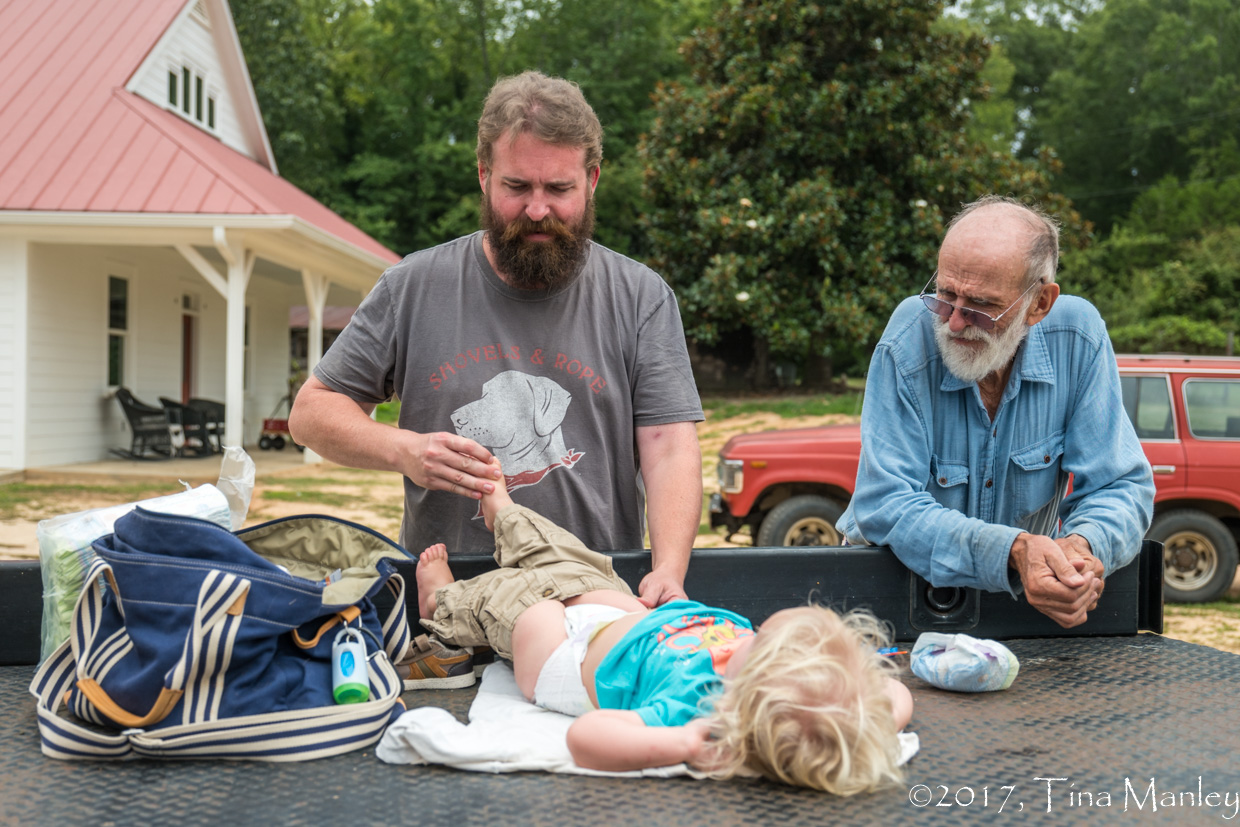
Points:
[[800, 181]]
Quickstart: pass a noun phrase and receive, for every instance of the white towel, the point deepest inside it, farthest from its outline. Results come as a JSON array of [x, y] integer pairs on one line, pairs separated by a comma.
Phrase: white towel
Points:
[[507, 733]]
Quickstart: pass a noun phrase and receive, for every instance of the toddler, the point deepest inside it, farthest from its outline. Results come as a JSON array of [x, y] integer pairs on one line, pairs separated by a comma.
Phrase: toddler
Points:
[[806, 699]]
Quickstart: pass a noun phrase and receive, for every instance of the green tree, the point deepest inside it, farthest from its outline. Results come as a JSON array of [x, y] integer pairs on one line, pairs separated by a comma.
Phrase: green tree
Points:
[[1034, 37], [372, 104], [1149, 90], [292, 79], [995, 120], [800, 182], [618, 53], [1183, 210], [1158, 294]]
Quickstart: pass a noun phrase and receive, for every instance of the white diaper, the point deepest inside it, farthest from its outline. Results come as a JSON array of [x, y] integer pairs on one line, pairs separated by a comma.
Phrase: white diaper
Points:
[[559, 687]]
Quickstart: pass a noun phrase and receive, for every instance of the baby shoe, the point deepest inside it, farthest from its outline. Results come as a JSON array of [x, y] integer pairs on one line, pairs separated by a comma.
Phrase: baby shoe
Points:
[[963, 663]]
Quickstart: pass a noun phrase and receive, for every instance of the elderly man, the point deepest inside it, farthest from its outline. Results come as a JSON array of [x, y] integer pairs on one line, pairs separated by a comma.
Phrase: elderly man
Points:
[[976, 413], [530, 344]]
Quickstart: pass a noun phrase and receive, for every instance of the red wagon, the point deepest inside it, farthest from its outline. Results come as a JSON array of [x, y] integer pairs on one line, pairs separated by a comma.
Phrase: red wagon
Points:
[[275, 433]]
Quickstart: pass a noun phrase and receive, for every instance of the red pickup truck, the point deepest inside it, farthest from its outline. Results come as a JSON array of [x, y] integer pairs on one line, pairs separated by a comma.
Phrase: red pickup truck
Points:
[[791, 486]]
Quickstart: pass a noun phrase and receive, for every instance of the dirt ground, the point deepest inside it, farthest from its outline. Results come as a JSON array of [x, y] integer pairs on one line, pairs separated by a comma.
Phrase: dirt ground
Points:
[[375, 499]]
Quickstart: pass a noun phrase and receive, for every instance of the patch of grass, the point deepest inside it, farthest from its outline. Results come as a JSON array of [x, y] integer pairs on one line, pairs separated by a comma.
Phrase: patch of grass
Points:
[[312, 482], [316, 497], [14, 495], [1229, 606], [785, 406], [387, 412]]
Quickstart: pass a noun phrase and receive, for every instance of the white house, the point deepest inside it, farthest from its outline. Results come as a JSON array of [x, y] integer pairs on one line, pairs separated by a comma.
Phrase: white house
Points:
[[146, 238]]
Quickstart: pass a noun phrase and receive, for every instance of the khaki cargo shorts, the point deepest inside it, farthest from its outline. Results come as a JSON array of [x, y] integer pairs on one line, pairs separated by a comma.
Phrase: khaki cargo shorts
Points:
[[538, 561]]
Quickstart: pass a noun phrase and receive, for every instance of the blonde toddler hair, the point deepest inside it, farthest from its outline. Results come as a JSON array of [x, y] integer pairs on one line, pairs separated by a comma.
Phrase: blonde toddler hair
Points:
[[810, 707]]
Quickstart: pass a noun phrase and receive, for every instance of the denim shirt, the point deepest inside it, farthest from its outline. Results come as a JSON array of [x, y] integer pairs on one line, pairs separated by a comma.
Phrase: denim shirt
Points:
[[949, 490]]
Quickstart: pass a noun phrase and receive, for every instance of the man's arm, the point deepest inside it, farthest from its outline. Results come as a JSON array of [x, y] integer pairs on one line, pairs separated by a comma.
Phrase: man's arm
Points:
[[341, 430], [617, 740], [671, 468], [1112, 499]]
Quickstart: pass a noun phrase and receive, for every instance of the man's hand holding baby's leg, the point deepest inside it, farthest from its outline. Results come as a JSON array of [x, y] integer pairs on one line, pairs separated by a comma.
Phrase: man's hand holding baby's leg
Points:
[[493, 502]]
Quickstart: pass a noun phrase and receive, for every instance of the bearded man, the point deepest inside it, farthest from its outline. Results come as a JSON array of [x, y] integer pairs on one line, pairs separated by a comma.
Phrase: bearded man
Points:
[[528, 343], [977, 412]]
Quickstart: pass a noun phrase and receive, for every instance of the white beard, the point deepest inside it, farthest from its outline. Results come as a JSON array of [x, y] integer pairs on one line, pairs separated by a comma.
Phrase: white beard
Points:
[[971, 364]]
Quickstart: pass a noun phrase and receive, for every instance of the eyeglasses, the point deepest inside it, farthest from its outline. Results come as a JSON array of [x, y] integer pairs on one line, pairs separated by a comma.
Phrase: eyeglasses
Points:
[[977, 318]]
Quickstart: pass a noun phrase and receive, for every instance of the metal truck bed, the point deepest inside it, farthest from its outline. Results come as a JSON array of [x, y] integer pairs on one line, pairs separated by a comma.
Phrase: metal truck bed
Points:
[[1111, 725]]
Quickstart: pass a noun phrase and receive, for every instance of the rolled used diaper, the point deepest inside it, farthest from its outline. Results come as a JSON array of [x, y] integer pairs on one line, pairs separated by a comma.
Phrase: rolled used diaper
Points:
[[963, 663]]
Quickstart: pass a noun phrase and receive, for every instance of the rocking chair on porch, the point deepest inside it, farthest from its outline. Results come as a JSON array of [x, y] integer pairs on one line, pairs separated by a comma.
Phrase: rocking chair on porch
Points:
[[213, 421], [193, 425], [151, 428]]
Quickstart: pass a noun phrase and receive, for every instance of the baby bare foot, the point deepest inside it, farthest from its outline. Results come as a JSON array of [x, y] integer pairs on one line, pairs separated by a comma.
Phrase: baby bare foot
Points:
[[495, 501], [433, 574]]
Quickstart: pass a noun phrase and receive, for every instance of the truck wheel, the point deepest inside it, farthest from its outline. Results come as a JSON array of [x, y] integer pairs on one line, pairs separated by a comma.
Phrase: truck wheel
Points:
[[1199, 555], [801, 521]]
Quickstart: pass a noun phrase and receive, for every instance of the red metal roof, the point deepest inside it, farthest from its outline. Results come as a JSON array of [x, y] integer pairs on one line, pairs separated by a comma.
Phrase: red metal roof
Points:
[[73, 139], [334, 317]]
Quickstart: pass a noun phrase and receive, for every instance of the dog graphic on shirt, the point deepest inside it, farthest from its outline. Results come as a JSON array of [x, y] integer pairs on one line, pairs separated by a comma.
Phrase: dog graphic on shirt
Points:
[[518, 419]]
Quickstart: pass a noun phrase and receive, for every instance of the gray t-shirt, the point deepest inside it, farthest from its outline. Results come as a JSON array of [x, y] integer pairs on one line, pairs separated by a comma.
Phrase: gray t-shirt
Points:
[[552, 382]]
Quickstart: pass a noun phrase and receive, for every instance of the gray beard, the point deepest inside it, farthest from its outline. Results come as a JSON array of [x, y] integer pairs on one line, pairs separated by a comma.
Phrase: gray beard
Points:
[[969, 365]]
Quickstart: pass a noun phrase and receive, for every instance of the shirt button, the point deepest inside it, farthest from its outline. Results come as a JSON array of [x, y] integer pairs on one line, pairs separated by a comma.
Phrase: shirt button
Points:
[[1046, 458], [548, 592], [989, 483], [942, 480]]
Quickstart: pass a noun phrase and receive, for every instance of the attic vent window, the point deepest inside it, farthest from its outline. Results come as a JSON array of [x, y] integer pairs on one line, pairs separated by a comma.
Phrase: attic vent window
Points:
[[199, 13], [188, 92]]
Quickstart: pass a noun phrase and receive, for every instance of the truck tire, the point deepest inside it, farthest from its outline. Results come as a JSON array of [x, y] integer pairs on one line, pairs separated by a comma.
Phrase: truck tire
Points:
[[801, 521], [1199, 555]]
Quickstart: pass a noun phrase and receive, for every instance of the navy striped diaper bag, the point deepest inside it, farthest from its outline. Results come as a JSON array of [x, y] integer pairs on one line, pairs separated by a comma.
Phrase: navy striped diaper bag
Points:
[[190, 641]]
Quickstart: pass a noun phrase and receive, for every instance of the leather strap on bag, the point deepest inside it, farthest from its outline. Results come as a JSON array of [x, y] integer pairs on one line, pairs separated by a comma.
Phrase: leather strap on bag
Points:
[[99, 697], [346, 616]]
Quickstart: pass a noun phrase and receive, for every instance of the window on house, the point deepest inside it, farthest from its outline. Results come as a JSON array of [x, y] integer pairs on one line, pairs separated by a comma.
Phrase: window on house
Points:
[[118, 328], [200, 13], [188, 92]]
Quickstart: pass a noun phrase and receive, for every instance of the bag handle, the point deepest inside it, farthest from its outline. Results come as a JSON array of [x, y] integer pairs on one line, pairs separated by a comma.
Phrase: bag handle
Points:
[[346, 616], [396, 637], [102, 701], [221, 597], [221, 600], [290, 735]]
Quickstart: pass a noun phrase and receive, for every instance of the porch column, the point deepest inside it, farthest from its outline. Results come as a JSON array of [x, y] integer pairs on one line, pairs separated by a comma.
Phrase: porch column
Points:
[[316, 299], [240, 265], [14, 337]]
